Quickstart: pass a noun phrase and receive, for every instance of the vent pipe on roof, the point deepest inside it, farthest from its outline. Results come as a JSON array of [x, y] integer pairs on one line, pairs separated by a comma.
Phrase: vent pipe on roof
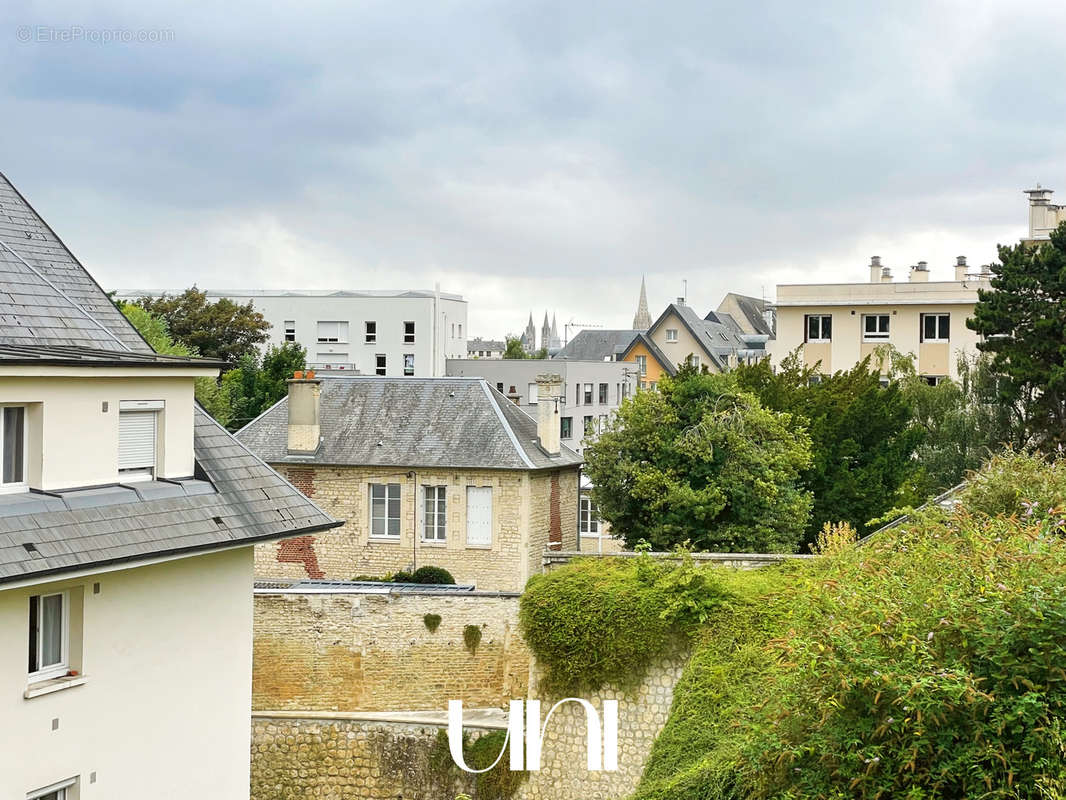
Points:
[[920, 272], [549, 393], [960, 268], [875, 269], [305, 433]]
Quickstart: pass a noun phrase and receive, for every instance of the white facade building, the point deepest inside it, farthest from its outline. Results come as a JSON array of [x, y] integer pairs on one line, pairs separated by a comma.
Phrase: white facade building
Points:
[[392, 333]]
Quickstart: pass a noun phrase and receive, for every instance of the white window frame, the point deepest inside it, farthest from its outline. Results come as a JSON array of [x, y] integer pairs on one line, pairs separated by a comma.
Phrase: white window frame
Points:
[[370, 511], [821, 338], [587, 394], [532, 394], [878, 335], [339, 336], [408, 338], [289, 328], [938, 314], [589, 521], [642, 365], [479, 544], [694, 360], [408, 364], [439, 531], [58, 789], [566, 422], [24, 484], [370, 336], [155, 408], [671, 334], [381, 369], [63, 667]]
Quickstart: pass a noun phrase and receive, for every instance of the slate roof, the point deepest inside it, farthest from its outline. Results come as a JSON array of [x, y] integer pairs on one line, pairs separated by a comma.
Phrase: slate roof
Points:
[[753, 309], [597, 345], [410, 423], [52, 311], [718, 339]]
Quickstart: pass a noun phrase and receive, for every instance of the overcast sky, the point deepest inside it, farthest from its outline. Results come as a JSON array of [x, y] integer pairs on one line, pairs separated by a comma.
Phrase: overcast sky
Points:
[[531, 155]]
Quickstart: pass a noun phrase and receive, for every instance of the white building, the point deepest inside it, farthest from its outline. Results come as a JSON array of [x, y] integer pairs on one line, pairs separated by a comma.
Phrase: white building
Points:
[[393, 333], [127, 524]]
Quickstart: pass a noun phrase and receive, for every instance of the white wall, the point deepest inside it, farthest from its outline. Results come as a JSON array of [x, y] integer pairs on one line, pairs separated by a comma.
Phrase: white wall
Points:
[[73, 442], [430, 349], [167, 656]]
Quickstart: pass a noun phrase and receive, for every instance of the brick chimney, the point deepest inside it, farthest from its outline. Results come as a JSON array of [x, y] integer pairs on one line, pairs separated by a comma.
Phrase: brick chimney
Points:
[[920, 272], [960, 268], [549, 394], [875, 269], [304, 430]]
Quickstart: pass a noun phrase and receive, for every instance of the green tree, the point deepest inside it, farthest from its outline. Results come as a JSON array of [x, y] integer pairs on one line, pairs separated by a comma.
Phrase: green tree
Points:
[[862, 437], [515, 350], [224, 330], [257, 384], [701, 461], [1023, 321], [209, 393]]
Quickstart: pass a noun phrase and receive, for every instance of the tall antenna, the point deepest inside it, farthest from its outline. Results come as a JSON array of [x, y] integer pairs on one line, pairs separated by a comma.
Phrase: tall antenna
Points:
[[572, 324]]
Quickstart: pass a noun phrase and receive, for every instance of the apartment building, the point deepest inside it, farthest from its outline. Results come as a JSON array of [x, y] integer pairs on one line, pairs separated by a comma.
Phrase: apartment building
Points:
[[127, 524], [836, 325], [1044, 216], [387, 333], [425, 471], [485, 348]]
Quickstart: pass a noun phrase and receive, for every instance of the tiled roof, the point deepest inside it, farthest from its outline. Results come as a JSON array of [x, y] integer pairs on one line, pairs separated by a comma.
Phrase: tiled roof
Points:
[[410, 423], [250, 502], [88, 356], [596, 345]]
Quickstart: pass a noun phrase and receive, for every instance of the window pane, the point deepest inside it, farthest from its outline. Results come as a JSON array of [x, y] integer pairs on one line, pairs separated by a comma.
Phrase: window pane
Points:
[[51, 630], [827, 327], [377, 508], [929, 326], [35, 661], [812, 328], [377, 491], [394, 526], [944, 319], [14, 435]]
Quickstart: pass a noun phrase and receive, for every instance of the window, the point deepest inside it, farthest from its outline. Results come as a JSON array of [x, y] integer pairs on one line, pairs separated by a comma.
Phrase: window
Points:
[[819, 328], [588, 426], [460, 330], [531, 394], [590, 521], [48, 636], [434, 513], [137, 424], [936, 327], [290, 330], [408, 333], [874, 326], [408, 364], [694, 360], [479, 516], [642, 365], [371, 332], [384, 509], [499, 387], [57, 791], [379, 368], [453, 330], [330, 359], [603, 422], [13, 439], [566, 427], [671, 334], [577, 395], [932, 380], [603, 394], [588, 394], [333, 331]]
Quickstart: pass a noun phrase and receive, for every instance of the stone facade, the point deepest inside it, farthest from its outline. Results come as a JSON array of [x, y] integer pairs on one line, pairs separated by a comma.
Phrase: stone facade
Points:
[[374, 652], [329, 756], [527, 515]]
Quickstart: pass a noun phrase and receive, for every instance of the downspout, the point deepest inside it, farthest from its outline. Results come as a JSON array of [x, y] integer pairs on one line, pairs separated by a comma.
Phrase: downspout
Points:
[[414, 520], [579, 510]]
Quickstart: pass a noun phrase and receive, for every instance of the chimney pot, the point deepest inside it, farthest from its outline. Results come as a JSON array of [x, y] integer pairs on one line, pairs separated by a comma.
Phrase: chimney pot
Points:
[[549, 393], [305, 433], [960, 268]]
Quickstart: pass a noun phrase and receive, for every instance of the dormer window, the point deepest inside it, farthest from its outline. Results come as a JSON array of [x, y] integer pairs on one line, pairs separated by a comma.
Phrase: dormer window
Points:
[[138, 422], [13, 443]]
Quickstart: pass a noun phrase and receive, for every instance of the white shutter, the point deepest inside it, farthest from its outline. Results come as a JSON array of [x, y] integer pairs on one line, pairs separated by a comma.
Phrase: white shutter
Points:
[[479, 516], [136, 440]]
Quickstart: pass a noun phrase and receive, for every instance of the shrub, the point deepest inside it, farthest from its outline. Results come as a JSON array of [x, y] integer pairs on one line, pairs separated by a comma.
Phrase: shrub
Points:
[[401, 577], [1016, 483], [605, 621], [472, 638], [432, 622], [430, 574]]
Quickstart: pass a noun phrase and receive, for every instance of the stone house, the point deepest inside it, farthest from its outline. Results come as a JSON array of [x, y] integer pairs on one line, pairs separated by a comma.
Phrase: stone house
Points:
[[127, 523], [425, 471]]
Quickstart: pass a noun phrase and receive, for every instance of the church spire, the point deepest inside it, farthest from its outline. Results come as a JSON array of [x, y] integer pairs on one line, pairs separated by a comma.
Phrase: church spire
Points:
[[642, 319]]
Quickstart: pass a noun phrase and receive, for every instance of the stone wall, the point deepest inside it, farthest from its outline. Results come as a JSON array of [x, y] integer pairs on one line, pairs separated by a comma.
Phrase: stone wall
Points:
[[522, 525], [336, 758], [373, 652]]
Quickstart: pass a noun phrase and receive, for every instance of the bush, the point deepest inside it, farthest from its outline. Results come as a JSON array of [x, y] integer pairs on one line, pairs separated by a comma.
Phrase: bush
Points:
[[1016, 483], [429, 574], [605, 621], [401, 577]]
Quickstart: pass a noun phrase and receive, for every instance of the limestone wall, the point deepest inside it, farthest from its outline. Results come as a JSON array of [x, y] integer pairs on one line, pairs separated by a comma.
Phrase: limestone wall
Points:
[[373, 652]]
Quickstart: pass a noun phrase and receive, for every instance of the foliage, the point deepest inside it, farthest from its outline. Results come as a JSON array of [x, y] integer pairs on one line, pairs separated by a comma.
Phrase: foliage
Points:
[[154, 330], [1013, 483], [401, 576], [924, 664], [963, 421], [605, 621], [497, 783], [515, 350], [224, 330], [862, 436], [472, 638], [432, 622], [1022, 319], [257, 384], [700, 460], [431, 574]]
